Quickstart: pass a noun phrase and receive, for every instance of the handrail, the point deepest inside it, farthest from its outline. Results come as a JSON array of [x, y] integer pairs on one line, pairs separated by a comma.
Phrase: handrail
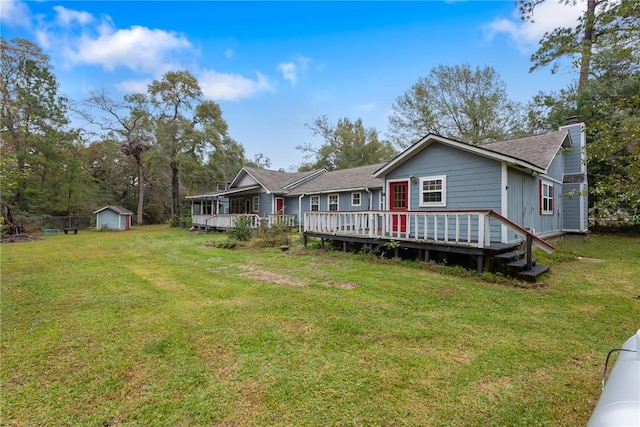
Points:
[[538, 241]]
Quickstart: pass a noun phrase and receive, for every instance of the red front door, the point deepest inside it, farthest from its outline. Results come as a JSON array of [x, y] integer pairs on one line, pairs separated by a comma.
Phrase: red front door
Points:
[[279, 206], [399, 201]]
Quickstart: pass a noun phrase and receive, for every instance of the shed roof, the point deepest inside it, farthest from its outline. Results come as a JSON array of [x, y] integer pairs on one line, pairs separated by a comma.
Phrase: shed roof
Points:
[[117, 209], [342, 180]]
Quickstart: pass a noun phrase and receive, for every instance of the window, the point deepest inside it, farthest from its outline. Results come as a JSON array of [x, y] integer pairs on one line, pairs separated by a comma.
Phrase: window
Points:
[[255, 206], [546, 198], [333, 202], [315, 203], [355, 199], [433, 191], [236, 206]]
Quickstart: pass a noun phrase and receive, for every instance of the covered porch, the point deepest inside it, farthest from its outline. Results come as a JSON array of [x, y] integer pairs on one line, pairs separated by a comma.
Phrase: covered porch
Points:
[[224, 222]]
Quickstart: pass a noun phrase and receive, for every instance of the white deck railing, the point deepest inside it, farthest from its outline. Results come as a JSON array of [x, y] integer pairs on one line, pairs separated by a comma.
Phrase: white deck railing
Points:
[[225, 221], [459, 227], [465, 227]]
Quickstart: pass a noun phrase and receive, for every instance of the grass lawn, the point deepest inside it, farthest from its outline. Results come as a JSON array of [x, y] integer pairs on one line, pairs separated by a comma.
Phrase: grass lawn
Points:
[[155, 327]]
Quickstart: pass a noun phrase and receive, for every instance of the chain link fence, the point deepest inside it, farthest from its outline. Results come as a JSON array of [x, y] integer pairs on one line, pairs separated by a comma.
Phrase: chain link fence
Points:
[[38, 223]]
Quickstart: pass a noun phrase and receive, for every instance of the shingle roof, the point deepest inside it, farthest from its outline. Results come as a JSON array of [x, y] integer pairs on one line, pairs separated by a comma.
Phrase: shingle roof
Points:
[[117, 209], [539, 150], [344, 179], [274, 181]]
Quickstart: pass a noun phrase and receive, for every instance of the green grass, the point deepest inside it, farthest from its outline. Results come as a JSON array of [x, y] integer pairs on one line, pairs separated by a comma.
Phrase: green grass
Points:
[[155, 326]]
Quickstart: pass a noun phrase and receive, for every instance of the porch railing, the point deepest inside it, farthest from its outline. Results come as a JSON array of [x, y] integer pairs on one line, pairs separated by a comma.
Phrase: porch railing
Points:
[[465, 227], [225, 221]]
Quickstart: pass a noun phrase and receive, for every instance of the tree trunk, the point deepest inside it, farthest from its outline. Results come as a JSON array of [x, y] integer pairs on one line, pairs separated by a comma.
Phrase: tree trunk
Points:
[[175, 187], [139, 220], [587, 44]]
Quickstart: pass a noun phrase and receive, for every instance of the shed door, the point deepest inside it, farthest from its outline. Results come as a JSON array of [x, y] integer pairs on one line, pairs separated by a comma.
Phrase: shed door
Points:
[[399, 201]]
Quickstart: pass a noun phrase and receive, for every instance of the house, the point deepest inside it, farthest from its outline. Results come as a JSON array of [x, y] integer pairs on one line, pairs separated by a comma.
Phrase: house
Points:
[[259, 193], [537, 182], [113, 218], [490, 202]]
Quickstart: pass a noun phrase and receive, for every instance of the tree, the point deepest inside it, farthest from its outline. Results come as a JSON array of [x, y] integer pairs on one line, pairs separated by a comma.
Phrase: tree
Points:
[[191, 134], [346, 144], [259, 161], [456, 102], [129, 122], [34, 138], [176, 95], [606, 98], [603, 21]]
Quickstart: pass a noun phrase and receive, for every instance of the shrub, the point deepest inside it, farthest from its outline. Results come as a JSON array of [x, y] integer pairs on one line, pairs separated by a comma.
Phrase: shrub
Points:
[[242, 229]]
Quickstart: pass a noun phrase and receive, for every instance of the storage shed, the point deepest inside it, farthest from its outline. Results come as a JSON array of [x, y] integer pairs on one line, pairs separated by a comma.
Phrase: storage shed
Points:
[[113, 218]]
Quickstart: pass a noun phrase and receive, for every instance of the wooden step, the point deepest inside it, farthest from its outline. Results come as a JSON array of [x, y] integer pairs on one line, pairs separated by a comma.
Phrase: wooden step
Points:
[[508, 256], [521, 264], [532, 275]]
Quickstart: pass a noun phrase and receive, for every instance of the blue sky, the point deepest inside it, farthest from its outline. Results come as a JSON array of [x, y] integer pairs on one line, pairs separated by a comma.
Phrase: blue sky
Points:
[[275, 66]]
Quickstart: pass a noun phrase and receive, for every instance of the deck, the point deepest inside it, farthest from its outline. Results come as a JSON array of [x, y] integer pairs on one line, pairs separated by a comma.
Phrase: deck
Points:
[[480, 234]]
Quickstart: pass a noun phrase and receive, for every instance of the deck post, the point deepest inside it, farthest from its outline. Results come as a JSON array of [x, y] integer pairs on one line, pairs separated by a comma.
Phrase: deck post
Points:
[[344, 246], [322, 244], [304, 240], [480, 264], [427, 255], [529, 254]]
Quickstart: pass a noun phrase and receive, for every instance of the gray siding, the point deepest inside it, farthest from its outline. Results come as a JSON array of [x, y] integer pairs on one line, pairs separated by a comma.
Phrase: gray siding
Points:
[[573, 157], [473, 182], [556, 168], [109, 219]]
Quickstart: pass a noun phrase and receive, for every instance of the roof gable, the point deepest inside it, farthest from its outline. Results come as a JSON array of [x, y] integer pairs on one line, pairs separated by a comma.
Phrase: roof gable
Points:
[[532, 152], [272, 181]]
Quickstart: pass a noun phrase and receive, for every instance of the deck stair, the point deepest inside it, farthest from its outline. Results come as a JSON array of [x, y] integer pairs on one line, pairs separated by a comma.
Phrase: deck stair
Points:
[[514, 263]]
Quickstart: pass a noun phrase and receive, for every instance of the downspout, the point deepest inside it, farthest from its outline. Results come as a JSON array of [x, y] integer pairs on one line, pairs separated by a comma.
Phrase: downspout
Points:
[[370, 197], [300, 213]]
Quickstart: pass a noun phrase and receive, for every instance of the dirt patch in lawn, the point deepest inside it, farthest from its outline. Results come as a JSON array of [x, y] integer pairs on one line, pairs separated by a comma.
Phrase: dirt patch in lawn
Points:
[[262, 275], [594, 260]]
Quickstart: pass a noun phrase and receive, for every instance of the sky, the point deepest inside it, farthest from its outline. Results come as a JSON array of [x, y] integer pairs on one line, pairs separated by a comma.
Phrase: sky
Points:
[[274, 67]]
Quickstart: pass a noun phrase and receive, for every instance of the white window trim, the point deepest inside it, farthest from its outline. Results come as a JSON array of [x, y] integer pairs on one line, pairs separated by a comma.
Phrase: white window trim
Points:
[[359, 193], [337, 196], [544, 184], [443, 202], [311, 204], [255, 204]]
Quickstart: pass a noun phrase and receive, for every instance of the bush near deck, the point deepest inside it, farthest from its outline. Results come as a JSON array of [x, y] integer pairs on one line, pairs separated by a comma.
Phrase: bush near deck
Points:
[[158, 327]]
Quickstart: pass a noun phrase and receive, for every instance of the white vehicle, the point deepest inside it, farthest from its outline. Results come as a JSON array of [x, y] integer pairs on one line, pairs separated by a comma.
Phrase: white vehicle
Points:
[[619, 403]]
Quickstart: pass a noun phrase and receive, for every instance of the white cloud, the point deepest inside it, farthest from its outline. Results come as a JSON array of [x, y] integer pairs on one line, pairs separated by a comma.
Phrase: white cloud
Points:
[[231, 87], [547, 16], [79, 38], [66, 16], [137, 48], [15, 14], [289, 72]]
